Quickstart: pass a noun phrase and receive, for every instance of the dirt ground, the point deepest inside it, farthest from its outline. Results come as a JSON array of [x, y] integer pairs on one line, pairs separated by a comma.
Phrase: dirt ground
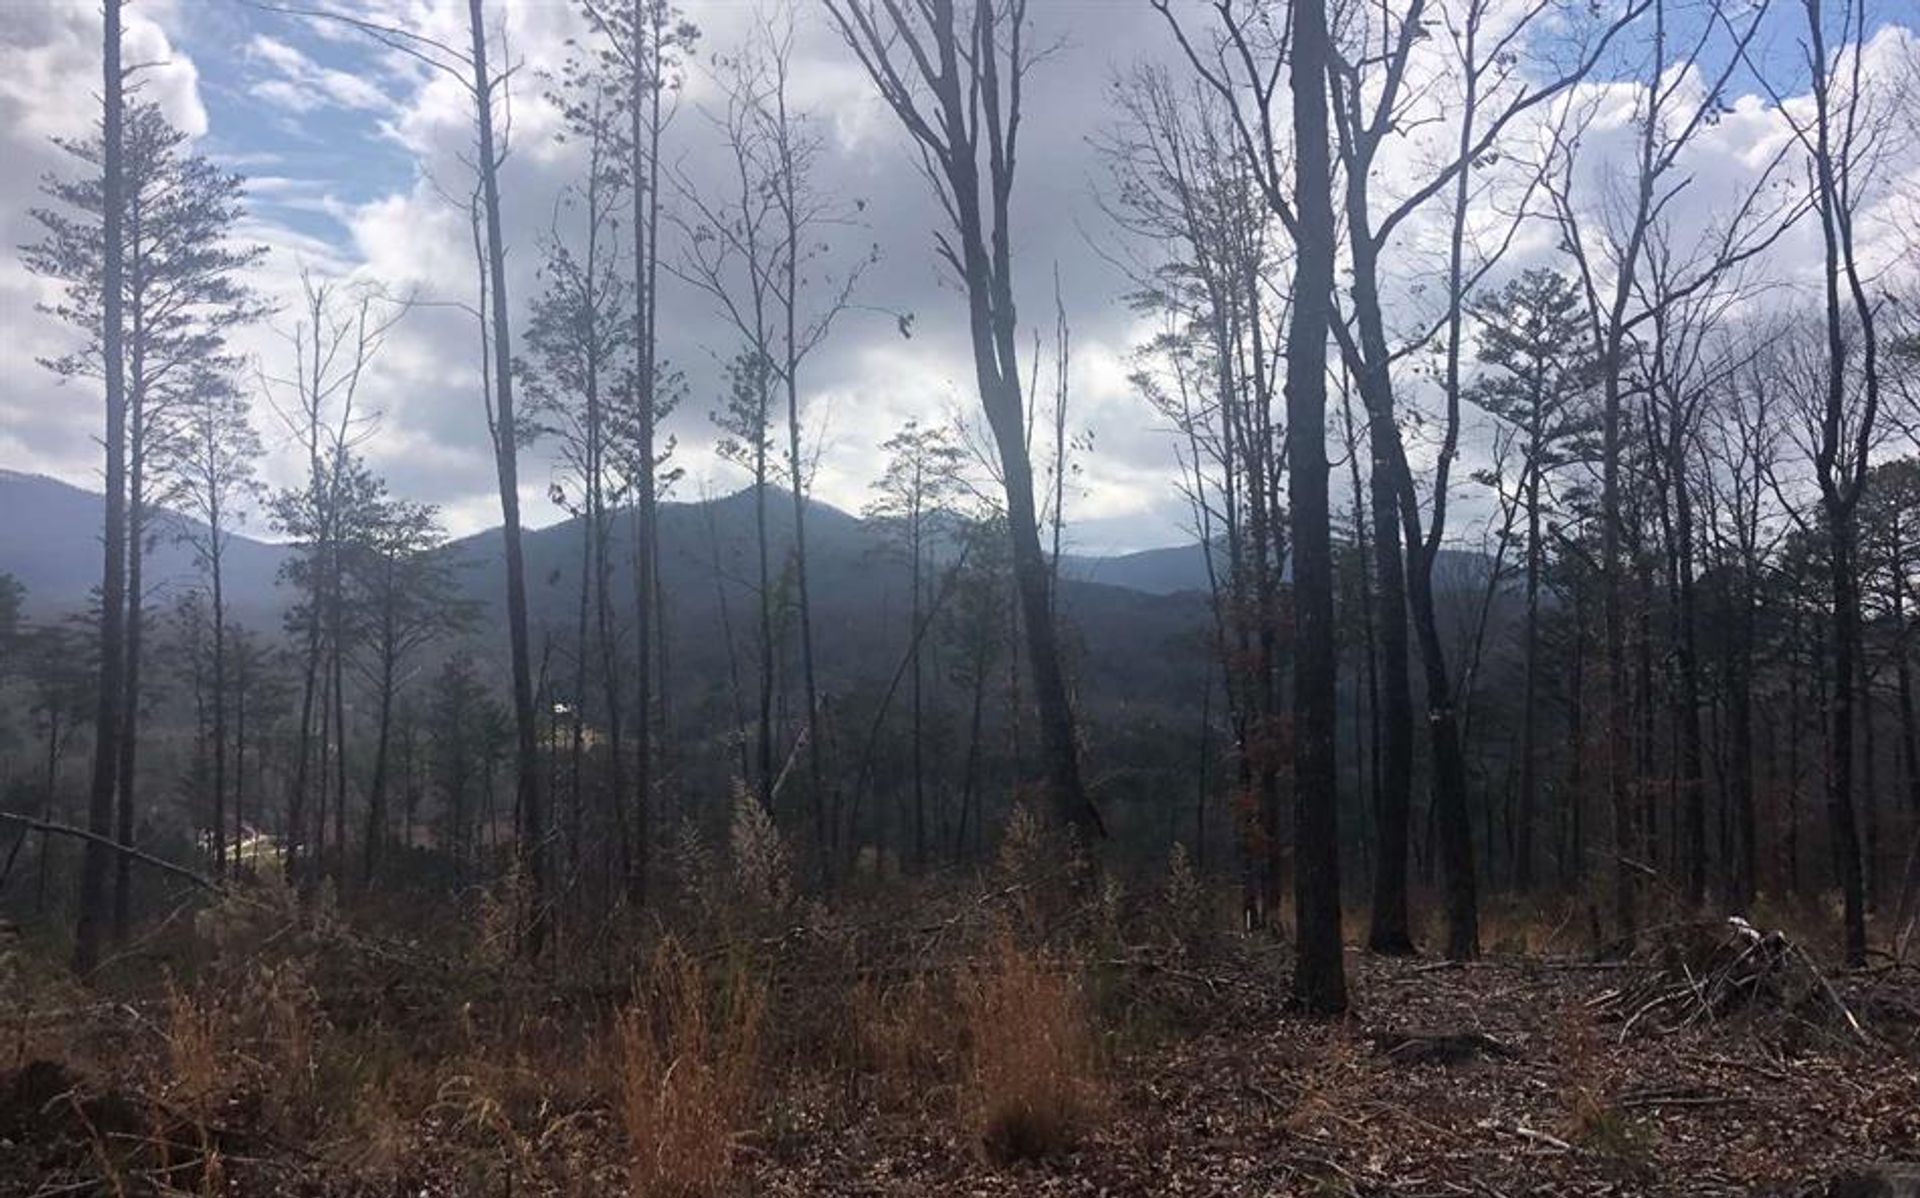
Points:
[[1551, 1101], [1506, 1077]]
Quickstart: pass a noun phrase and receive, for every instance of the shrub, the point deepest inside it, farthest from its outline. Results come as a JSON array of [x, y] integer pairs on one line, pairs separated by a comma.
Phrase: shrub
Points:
[[687, 1053], [1030, 1090]]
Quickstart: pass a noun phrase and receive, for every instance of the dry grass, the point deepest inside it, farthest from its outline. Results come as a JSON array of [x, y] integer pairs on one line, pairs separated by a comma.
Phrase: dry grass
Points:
[[1030, 1089], [901, 1037], [1596, 1119], [193, 1052], [688, 1051]]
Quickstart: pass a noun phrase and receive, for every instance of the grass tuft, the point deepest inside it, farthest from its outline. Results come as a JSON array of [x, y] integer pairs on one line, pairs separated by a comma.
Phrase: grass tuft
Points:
[[1031, 1088], [687, 1056]]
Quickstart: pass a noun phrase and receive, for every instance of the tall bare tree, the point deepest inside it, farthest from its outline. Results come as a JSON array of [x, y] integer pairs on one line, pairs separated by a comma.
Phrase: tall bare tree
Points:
[[213, 456], [761, 246], [1843, 144], [646, 41], [953, 74], [580, 342], [339, 333]]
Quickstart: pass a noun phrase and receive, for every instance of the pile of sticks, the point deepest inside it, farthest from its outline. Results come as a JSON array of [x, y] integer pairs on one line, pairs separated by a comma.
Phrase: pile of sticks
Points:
[[1720, 970]]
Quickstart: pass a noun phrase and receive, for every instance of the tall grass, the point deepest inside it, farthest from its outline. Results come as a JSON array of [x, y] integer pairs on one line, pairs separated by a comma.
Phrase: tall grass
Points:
[[1031, 1088], [688, 1051]]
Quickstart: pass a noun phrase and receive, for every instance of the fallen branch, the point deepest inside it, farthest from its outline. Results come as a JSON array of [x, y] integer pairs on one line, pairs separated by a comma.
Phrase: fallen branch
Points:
[[1541, 1137], [126, 850]]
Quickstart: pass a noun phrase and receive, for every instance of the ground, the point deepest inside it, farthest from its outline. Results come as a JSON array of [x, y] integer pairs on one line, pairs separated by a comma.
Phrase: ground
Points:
[[839, 1057], [1552, 1103]]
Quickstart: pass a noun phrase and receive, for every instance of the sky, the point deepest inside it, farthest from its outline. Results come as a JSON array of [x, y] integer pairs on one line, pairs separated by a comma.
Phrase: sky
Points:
[[350, 151]]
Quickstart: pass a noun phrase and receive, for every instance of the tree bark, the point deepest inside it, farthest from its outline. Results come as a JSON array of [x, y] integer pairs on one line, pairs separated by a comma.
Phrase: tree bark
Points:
[[1319, 978], [95, 909], [530, 847]]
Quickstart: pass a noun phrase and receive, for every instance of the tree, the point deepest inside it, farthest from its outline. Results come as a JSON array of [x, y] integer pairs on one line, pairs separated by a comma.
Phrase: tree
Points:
[[976, 632], [761, 248], [94, 909], [953, 75], [486, 88], [408, 588], [13, 598], [506, 433], [1841, 146], [340, 333], [1319, 977], [1244, 68], [1534, 387], [579, 339], [1199, 213], [643, 43], [184, 293], [465, 724], [212, 464], [921, 477], [57, 662], [746, 426], [1610, 250]]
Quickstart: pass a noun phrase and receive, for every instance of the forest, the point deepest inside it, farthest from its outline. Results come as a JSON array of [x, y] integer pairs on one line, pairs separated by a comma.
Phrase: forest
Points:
[[690, 688]]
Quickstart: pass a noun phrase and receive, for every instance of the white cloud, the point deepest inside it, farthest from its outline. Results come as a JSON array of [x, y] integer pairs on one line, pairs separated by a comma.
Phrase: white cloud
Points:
[[863, 384]]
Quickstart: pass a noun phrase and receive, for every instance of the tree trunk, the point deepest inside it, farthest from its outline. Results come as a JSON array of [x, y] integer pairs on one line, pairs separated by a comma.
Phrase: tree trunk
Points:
[[1909, 726], [1846, 835], [796, 476], [1449, 766], [532, 813], [338, 654], [377, 792], [1319, 979], [919, 728], [643, 111], [1574, 865], [764, 737], [219, 696], [95, 909], [1692, 774], [1745, 872], [136, 626], [1527, 802]]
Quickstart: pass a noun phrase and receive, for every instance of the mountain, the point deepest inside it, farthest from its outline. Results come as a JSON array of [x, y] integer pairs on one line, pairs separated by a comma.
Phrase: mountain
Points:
[[1166, 571], [50, 541], [1182, 568], [1136, 625]]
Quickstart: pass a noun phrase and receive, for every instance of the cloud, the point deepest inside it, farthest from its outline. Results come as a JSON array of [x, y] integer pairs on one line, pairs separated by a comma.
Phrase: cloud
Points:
[[296, 82], [49, 76], [360, 157]]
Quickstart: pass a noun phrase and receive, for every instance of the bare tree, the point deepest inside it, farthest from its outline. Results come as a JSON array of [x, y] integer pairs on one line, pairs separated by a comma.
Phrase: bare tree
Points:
[[1319, 978], [759, 247], [580, 342], [953, 75], [1214, 252], [1843, 145], [339, 333], [645, 40], [213, 458], [920, 480]]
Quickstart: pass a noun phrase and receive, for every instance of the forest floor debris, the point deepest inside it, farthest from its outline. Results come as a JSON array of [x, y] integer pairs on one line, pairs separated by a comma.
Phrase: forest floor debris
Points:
[[1520, 1075]]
